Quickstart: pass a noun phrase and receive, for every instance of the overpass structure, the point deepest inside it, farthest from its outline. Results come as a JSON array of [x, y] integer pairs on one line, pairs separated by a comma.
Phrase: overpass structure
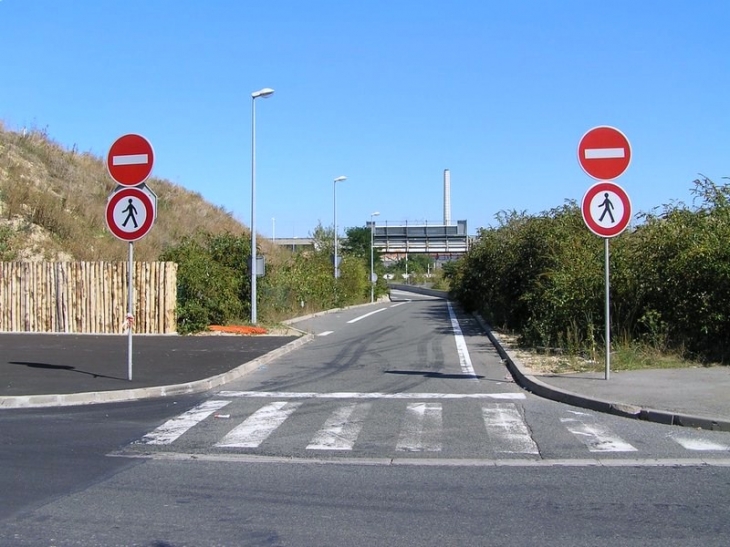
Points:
[[443, 242]]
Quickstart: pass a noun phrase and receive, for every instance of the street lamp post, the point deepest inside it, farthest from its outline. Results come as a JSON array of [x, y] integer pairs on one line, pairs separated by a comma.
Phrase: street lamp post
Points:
[[265, 92], [334, 201], [372, 262]]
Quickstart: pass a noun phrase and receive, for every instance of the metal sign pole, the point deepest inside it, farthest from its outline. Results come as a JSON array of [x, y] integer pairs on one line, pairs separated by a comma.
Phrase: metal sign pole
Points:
[[608, 312], [130, 310]]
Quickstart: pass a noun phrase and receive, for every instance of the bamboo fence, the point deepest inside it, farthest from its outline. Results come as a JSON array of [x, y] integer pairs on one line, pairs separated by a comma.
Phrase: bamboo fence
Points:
[[87, 297]]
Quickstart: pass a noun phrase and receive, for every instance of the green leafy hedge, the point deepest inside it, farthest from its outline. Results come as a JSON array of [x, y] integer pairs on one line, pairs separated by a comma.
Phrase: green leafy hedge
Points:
[[542, 275]]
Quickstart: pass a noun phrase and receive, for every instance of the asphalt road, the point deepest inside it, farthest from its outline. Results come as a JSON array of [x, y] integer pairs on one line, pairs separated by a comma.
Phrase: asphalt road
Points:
[[48, 453], [91, 478], [199, 503]]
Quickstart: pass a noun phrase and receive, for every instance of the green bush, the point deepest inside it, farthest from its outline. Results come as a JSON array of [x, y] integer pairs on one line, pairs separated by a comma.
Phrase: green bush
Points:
[[543, 276], [209, 280]]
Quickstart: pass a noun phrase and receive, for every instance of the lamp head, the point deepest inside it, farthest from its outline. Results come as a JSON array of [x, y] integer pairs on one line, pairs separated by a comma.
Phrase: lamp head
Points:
[[340, 179], [375, 214], [265, 92]]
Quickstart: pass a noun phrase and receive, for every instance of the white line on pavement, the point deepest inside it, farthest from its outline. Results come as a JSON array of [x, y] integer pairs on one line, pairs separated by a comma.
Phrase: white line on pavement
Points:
[[421, 431], [701, 445], [342, 428], [373, 395], [366, 315], [257, 427], [464, 359], [506, 426], [172, 429], [595, 437]]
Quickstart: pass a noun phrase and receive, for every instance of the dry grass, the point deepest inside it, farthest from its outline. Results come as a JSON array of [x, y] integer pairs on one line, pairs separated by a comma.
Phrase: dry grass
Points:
[[543, 362], [52, 202], [624, 357]]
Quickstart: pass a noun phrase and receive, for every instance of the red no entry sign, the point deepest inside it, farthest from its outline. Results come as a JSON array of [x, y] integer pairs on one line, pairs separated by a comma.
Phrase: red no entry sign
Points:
[[606, 209], [130, 213], [604, 152], [130, 160]]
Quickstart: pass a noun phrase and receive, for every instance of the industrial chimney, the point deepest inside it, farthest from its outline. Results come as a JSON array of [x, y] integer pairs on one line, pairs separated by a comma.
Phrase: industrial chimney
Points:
[[447, 197]]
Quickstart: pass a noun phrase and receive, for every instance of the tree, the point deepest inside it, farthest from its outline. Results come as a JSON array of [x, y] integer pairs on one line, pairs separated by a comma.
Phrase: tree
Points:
[[358, 245], [324, 240]]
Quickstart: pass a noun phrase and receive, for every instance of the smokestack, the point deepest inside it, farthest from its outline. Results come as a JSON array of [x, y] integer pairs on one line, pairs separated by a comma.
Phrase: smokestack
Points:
[[447, 197]]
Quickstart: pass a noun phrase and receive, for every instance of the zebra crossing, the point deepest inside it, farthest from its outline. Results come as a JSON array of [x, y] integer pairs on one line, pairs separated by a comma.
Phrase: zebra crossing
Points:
[[418, 426]]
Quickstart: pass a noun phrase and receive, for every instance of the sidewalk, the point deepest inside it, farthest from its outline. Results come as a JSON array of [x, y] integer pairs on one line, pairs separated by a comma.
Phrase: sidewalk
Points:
[[693, 397], [41, 370]]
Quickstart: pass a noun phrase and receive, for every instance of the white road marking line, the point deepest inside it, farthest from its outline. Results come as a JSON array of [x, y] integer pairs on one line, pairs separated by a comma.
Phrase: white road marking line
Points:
[[366, 315], [464, 359], [604, 153], [596, 438], [701, 445], [427, 462], [173, 428], [326, 333], [342, 428], [505, 427], [421, 430], [257, 427], [398, 304], [131, 159], [374, 395]]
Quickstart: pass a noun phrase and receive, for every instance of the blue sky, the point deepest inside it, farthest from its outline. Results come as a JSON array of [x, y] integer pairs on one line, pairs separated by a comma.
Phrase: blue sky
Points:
[[388, 93]]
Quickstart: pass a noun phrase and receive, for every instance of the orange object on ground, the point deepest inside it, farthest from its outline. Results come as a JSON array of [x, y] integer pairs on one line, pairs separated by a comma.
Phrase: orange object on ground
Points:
[[238, 329]]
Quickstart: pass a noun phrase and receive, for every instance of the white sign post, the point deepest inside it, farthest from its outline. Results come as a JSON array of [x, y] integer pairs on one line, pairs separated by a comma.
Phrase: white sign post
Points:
[[131, 208]]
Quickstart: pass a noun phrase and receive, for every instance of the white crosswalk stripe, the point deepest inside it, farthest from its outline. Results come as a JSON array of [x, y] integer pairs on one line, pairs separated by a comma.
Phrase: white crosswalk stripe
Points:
[[596, 437], [507, 429], [342, 428], [172, 429], [701, 445], [257, 427], [421, 430]]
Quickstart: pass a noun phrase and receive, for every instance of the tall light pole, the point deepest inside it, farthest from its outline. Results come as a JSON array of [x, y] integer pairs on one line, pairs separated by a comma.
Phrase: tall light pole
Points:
[[372, 262], [265, 92], [334, 201]]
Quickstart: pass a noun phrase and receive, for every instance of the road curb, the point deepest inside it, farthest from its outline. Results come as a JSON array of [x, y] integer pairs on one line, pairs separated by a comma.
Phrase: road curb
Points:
[[122, 395], [542, 389]]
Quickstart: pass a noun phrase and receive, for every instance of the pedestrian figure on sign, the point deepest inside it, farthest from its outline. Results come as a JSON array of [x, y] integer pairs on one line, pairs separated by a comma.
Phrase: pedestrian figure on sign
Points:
[[132, 211], [607, 209]]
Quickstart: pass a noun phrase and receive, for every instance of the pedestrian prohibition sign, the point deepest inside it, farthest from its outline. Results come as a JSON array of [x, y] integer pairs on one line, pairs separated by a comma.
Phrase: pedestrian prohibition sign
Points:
[[130, 213], [606, 209]]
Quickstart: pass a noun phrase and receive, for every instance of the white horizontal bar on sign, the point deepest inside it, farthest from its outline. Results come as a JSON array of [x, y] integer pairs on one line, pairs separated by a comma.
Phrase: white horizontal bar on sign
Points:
[[131, 159], [604, 153]]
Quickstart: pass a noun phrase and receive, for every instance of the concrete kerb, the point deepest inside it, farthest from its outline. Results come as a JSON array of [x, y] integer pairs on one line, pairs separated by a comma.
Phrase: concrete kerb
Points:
[[534, 385], [98, 397]]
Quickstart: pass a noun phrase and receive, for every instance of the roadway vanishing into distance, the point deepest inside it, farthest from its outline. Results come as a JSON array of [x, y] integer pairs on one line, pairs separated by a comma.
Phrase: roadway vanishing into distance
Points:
[[397, 425]]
